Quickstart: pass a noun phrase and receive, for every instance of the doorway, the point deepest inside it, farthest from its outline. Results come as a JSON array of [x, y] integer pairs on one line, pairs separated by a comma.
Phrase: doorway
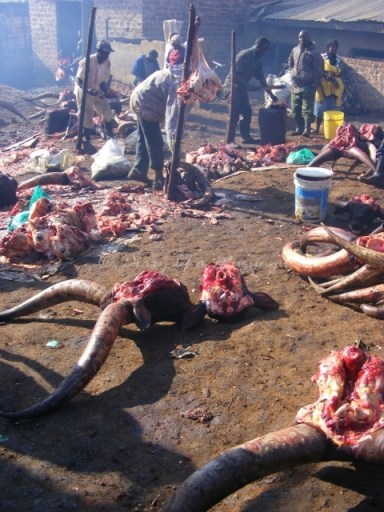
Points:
[[68, 27]]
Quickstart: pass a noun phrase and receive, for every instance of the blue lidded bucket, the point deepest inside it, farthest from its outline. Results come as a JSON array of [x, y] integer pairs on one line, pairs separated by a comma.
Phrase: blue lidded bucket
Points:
[[312, 185]]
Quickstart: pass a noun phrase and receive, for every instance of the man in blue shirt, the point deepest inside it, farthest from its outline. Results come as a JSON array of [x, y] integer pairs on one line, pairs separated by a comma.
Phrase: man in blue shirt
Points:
[[144, 66]]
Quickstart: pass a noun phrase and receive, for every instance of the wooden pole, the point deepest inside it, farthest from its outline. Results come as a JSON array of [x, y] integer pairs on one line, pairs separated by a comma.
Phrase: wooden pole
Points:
[[231, 128], [85, 80], [180, 120]]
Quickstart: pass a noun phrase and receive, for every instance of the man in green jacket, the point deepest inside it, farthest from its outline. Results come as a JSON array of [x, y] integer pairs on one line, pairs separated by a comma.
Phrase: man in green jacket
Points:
[[306, 66], [248, 65]]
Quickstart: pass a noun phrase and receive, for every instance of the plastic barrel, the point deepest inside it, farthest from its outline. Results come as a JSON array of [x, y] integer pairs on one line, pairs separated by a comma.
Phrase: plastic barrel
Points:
[[272, 125], [312, 185], [332, 120]]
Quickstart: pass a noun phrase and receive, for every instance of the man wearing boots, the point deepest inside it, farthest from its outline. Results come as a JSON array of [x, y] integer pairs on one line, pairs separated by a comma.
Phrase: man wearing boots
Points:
[[153, 101], [98, 83], [248, 65], [306, 67]]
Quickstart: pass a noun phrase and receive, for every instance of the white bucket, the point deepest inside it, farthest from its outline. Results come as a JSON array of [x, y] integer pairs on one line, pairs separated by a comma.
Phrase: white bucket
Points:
[[312, 186]]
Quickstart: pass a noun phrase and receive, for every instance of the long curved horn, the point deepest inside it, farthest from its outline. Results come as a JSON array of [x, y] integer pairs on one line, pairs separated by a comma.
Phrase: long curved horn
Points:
[[360, 156], [51, 178], [232, 470], [373, 311], [326, 155], [316, 266], [371, 294], [72, 289], [374, 258], [319, 234], [12, 109], [363, 275], [96, 352], [43, 96]]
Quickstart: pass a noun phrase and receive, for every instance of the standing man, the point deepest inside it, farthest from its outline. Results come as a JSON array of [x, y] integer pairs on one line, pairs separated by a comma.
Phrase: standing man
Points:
[[306, 66], [176, 54], [248, 65], [152, 102], [144, 66], [99, 78]]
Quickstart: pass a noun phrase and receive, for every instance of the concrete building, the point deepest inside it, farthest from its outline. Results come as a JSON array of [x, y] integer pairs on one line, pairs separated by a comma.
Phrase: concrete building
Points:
[[33, 31]]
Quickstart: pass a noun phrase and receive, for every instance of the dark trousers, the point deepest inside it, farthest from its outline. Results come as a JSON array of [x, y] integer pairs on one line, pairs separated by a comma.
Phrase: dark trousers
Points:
[[149, 148], [241, 109], [302, 104]]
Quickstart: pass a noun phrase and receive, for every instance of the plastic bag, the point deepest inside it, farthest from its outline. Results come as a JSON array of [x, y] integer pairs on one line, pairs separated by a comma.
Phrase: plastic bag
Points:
[[8, 188], [37, 194], [39, 160], [303, 156], [62, 160], [23, 217], [110, 163], [283, 94], [43, 161], [131, 142]]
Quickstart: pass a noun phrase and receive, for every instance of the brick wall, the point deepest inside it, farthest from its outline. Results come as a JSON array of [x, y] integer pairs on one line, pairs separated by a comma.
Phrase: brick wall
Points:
[[218, 19], [136, 26], [124, 17], [367, 79], [44, 39]]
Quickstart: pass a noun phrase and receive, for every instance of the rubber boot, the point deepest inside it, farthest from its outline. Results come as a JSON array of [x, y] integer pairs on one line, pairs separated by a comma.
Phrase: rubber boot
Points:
[[158, 183], [300, 126], [137, 175], [87, 134], [307, 128], [245, 132], [319, 120], [377, 180], [109, 129]]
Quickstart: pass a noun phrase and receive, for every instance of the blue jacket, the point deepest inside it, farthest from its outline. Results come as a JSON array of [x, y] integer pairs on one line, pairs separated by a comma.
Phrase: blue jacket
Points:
[[143, 67]]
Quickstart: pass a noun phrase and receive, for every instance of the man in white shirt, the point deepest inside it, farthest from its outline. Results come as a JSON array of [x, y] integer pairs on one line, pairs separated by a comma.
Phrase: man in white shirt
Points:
[[99, 77]]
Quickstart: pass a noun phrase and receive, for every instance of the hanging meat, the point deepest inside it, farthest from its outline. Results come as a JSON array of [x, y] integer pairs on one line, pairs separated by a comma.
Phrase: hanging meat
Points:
[[203, 85]]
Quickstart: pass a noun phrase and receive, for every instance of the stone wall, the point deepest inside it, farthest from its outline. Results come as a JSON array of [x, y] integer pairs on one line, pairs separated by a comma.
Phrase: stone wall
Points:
[[367, 79]]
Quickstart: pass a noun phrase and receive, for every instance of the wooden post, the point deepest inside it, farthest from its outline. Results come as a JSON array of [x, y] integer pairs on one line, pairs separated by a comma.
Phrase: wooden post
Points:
[[85, 80], [231, 128], [180, 120]]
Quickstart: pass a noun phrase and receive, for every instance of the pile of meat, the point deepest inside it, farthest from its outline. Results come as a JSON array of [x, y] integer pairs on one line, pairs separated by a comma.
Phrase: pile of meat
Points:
[[351, 403], [218, 160], [224, 159], [119, 214], [348, 136], [54, 229]]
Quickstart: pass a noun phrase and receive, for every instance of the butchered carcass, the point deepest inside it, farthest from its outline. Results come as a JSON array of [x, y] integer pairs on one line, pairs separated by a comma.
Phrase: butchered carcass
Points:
[[55, 230], [16, 245], [68, 241]]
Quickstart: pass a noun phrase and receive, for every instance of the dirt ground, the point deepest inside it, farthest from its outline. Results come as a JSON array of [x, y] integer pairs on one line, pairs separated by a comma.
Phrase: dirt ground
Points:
[[122, 444]]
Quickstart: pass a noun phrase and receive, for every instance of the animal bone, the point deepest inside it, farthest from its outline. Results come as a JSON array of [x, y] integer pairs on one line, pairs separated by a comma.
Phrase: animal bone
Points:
[[149, 298], [344, 424]]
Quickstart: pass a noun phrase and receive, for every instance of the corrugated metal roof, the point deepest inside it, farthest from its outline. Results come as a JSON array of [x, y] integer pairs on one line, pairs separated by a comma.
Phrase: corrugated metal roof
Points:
[[334, 10]]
